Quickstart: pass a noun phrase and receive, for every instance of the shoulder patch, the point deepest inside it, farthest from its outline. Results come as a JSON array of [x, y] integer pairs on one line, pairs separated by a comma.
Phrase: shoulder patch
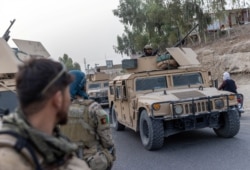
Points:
[[102, 117], [104, 120]]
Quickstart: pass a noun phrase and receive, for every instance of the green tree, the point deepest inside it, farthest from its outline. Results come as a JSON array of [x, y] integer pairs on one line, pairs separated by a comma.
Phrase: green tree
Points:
[[160, 23], [68, 62]]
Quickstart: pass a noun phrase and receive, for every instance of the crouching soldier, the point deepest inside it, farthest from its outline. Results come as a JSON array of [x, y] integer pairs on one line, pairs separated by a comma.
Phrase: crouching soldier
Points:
[[88, 126]]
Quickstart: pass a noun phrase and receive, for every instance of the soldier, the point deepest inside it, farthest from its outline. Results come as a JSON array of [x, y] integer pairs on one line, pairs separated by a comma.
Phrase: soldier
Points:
[[29, 137], [78, 87], [148, 51], [89, 127]]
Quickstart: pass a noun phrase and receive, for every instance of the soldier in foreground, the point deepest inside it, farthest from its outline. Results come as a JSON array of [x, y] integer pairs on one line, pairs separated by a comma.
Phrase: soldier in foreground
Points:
[[29, 138], [89, 127]]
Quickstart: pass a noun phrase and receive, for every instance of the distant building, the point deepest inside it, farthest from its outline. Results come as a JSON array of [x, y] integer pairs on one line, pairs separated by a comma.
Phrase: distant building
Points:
[[238, 16], [115, 70], [231, 18]]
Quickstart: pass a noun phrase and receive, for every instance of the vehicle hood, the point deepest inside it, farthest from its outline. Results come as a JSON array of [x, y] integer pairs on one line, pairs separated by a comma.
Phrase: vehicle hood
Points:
[[94, 90], [177, 95], [97, 90]]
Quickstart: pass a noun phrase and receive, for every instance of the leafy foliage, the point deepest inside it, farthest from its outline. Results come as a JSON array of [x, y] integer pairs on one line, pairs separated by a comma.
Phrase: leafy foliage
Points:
[[68, 62], [160, 23]]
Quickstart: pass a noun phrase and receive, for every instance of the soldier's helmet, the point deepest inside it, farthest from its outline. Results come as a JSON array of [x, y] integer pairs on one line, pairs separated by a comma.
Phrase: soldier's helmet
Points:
[[146, 47], [77, 86]]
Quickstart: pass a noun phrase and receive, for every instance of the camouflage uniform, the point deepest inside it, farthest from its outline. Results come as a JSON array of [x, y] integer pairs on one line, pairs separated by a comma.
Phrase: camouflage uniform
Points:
[[47, 152], [88, 126]]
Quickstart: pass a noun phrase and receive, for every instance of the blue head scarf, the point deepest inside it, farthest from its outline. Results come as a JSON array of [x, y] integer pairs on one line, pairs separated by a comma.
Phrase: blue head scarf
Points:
[[77, 86]]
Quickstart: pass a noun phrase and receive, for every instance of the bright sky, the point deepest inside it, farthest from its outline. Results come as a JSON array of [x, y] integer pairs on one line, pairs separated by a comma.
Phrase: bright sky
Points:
[[79, 28]]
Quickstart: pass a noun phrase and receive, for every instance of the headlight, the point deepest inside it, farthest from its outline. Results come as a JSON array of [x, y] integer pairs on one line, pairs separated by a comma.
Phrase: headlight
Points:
[[91, 94], [178, 109], [231, 97], [156, 106], [219, 103]]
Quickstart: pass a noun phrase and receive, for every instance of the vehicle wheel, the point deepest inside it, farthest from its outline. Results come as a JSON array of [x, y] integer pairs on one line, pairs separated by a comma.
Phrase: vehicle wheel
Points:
[[151, 132], [115, 123], [230, 124]]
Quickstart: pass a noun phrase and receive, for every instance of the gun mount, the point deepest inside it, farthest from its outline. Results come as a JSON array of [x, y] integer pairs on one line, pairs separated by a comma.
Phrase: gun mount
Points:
[[173, 58]]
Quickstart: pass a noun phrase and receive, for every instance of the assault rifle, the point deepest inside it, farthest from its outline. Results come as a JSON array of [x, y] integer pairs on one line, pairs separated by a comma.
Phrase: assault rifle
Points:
[[6, 35]]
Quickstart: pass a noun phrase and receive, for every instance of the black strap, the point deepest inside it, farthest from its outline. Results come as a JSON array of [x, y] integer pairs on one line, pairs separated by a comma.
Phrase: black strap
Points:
[[4, 112], [23, 143]]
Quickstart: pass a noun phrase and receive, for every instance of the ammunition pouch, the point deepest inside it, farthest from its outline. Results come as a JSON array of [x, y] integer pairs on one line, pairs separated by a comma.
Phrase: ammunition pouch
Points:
[[98, 161], [110, 156]]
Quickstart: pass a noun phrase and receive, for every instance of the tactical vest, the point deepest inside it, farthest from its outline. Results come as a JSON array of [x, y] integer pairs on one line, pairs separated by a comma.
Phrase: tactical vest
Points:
[[80, 125], [22, 146]]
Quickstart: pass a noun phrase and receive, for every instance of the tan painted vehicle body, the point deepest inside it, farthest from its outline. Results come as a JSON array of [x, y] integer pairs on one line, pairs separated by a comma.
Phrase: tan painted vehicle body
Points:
[[9, 60], [160, 102], [97, 87], [8, 69]]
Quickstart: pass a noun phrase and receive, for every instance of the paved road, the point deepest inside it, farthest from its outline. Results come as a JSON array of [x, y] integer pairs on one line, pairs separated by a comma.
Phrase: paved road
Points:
[[194, 150]]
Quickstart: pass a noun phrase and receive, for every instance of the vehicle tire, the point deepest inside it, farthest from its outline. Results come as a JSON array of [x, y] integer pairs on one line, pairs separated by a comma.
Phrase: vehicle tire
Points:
[[151, 132], [230, 124], [115, 123]]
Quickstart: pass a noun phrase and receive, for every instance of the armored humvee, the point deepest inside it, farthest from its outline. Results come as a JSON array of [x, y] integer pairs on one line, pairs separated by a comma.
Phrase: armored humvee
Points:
[[9, 60], [97, 87], [8, 69], [168, 94]]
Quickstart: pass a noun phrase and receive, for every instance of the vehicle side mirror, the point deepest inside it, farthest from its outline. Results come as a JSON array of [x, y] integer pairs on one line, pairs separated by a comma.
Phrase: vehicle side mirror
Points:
[[215, 83]]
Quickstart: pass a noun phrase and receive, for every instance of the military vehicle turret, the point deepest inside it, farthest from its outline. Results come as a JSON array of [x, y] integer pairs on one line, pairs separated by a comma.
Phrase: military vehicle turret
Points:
[[9, 60], [97, 87], [168, 94]]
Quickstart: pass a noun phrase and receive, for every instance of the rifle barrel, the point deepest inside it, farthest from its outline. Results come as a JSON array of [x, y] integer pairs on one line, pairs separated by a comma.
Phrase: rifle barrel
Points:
[[179, 42]]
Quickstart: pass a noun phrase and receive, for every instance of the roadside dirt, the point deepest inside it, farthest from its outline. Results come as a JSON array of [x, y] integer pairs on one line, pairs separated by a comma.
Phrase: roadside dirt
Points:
[[230, 53]]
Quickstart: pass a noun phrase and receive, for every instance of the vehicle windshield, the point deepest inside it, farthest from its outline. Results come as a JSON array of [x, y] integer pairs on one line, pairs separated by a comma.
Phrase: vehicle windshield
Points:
[[106, 84], [94, 86], [187, 79], [151, 83], [8, 100]]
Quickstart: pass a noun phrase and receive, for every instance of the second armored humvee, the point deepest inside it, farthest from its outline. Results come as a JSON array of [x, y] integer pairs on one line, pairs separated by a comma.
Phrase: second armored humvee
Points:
[[97, 87], [168, 94]]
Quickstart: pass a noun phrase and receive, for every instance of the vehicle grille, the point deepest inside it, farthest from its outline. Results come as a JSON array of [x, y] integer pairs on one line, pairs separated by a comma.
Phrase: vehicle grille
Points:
[[197, 107], [105, 93]]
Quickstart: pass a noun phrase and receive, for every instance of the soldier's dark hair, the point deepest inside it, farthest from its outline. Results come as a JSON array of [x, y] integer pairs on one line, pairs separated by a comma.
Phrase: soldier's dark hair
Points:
[[39, 79]]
